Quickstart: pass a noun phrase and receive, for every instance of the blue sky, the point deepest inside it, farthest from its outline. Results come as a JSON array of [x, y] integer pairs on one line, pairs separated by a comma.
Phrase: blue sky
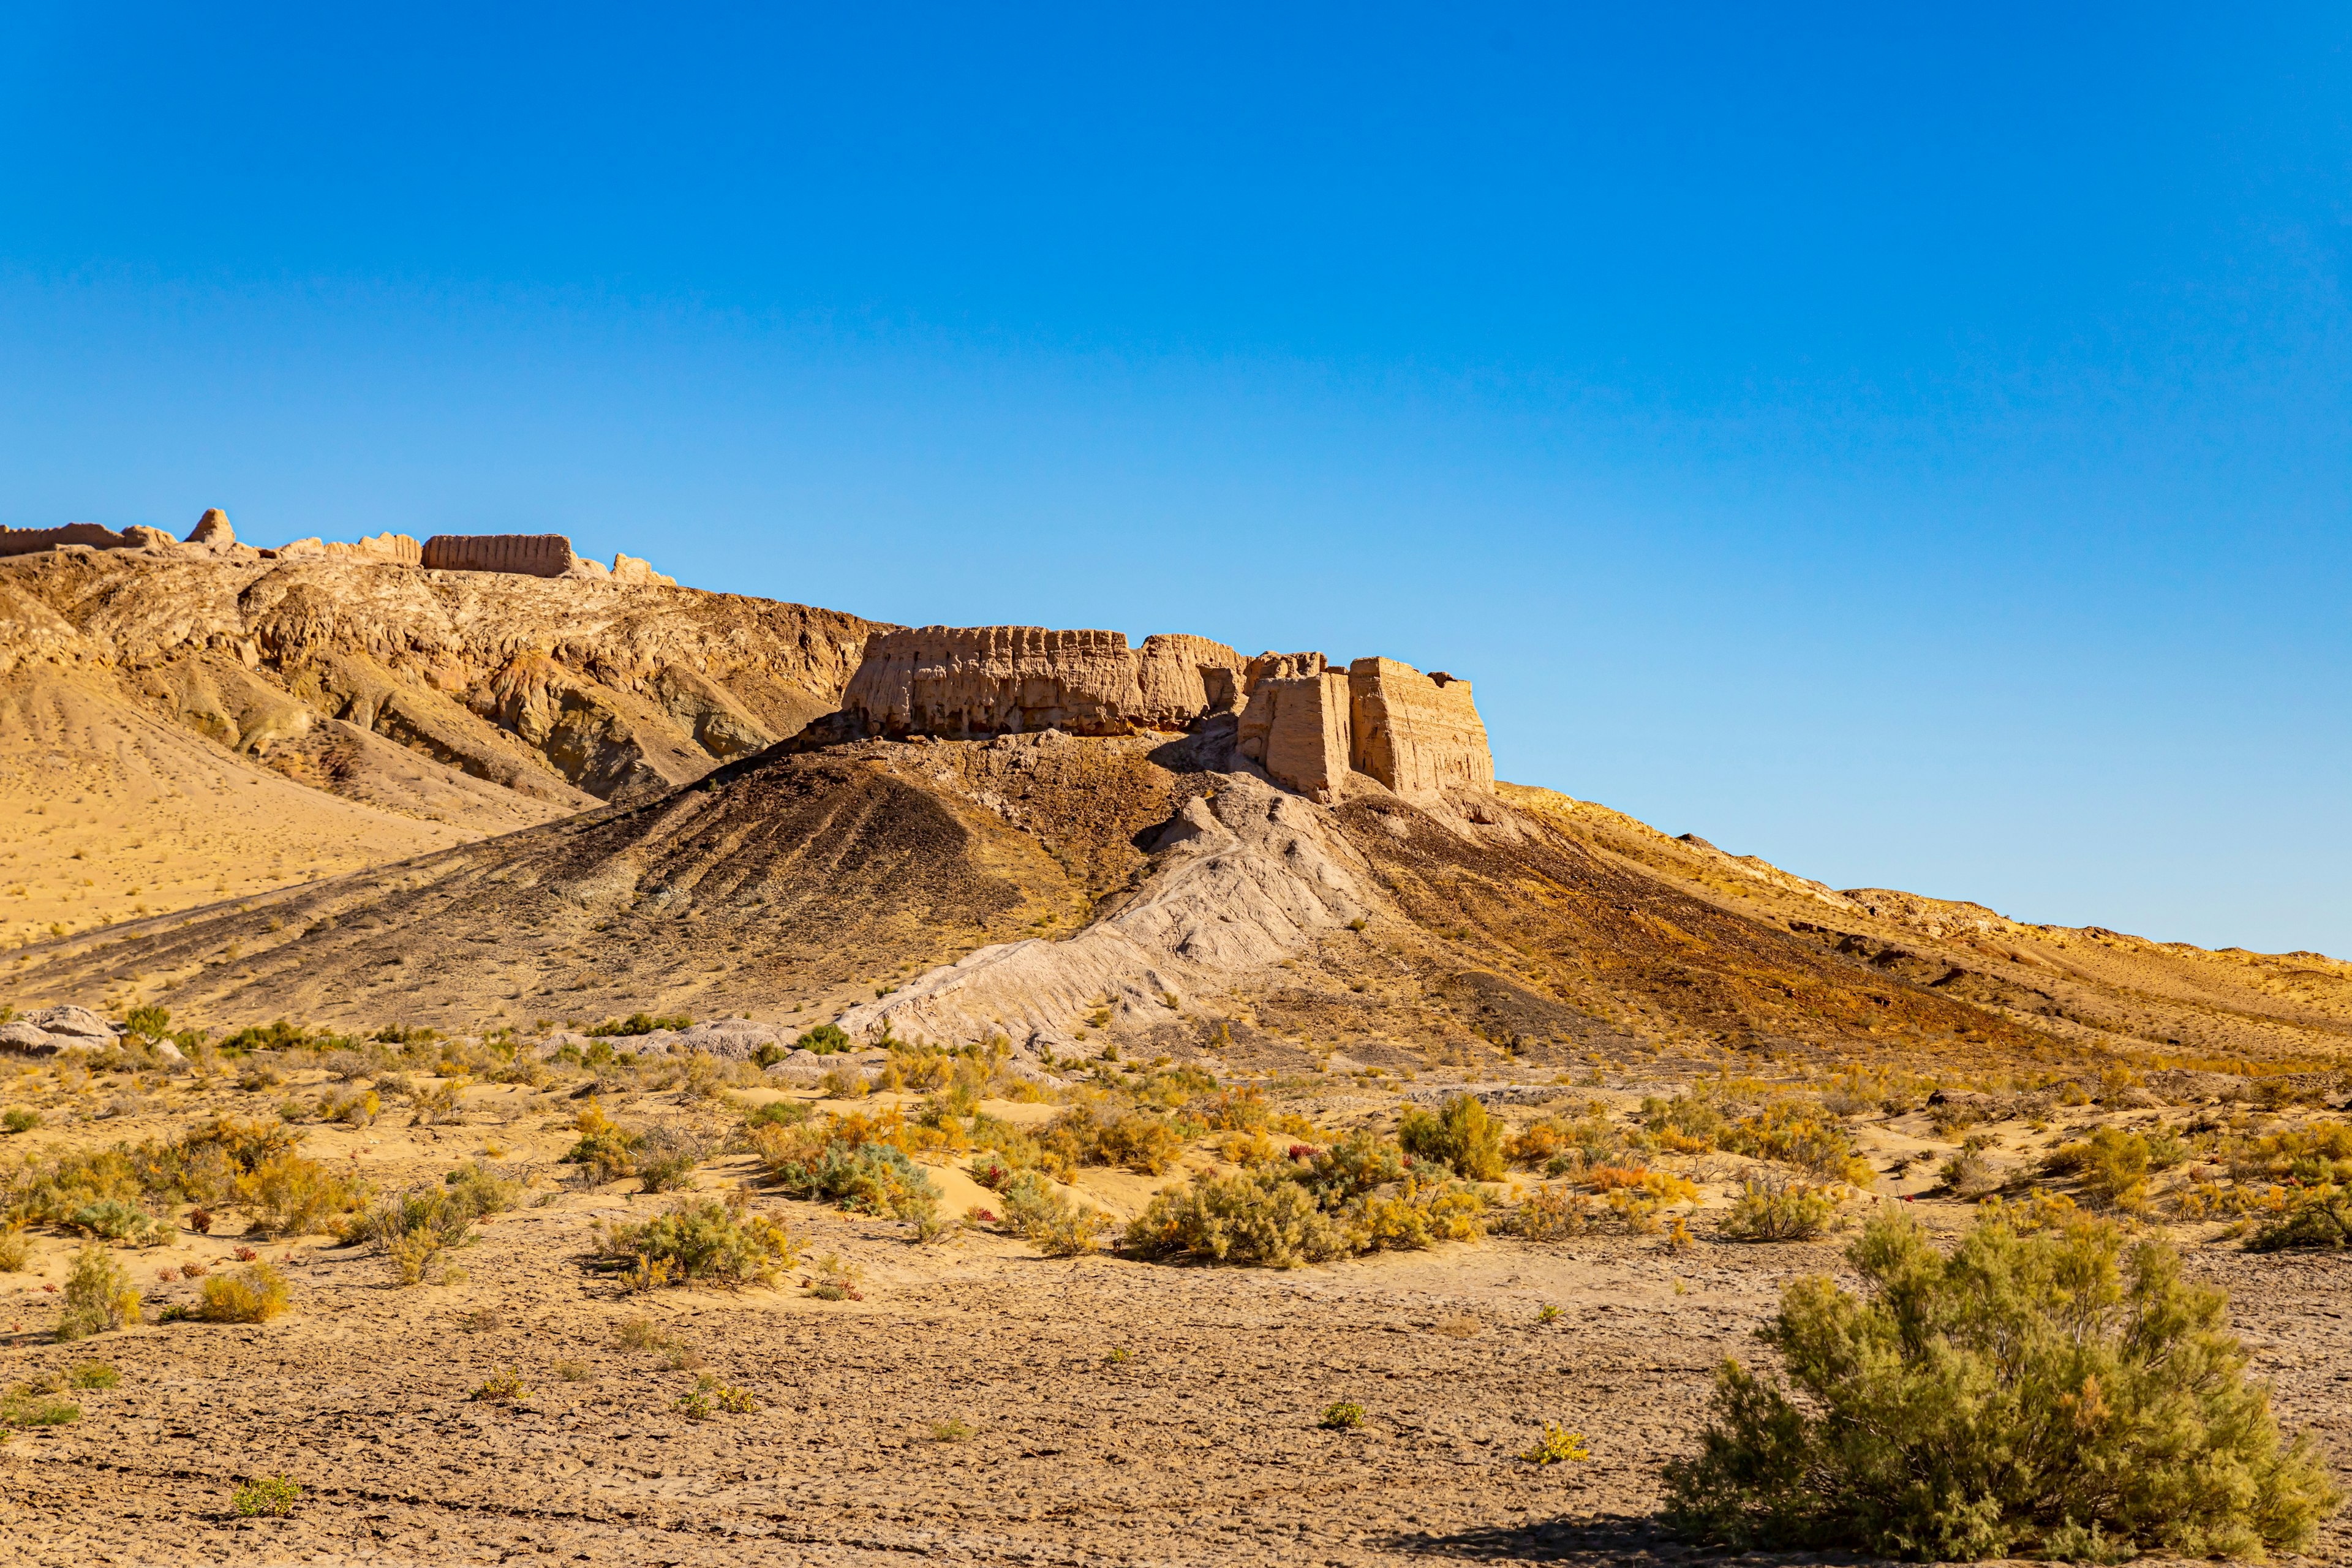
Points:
[[1909, 444]]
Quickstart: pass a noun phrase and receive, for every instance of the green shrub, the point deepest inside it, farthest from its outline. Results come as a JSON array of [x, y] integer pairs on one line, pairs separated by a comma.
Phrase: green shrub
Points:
[[837, 1163], [2112, 1165], [98, 1296], [605, 1150], [415, 1227], [707, 1243], [1056, 1225], [825, 1040], [1344, 1417], [115, 1220], [1777, 1209], [636, 1023], [1250, 1216], [17, 1119], [274, 1496], [1800, 1134], [16, 1248], [1461, 1134], [2049, 1392]]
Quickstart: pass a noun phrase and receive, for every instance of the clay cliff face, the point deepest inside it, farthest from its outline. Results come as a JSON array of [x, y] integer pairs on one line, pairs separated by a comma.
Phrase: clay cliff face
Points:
[[990, 680], [568, 688]]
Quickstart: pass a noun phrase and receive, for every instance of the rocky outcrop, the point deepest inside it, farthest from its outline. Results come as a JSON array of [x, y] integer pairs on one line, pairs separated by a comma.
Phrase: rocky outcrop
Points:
[[213, 531], [644, 686], [1243, 880], [1414, 732], [629, 569], [524, 555], [392, 549], [53, 1029], [991, 680], [1417, 734]]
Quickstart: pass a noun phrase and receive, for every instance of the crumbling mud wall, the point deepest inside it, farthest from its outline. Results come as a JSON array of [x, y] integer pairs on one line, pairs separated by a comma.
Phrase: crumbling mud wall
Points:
[[1309, 726], [990, 680], [524, 555], [25, 540], [1416, 732]]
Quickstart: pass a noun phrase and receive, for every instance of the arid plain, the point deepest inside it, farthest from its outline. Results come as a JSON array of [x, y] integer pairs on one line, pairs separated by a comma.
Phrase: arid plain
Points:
[[687, 1079]]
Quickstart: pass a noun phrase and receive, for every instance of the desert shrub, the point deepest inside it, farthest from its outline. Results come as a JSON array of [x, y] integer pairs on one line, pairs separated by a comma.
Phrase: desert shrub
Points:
[[1688, 1123], [1415, 1216], [2111, 1163], [636, 1023], [18, 1118], [707, 1243], [1556, 1445], [855, 1161], [2049, 1392], [16, 1248], [1551, 1214], [293, 1196], [2322, 1217], [1049, 1220], [52, 1194], [115, 1220], [357, 1109], [666, 1157], [1461, 1134], [825, 1040], [415, 1227], [1793, 1133], [1344, 1417], [254, 1294], [273, 1496], [94, 1374], [1251, 1216], [1229, 1110], [98, 1296], [776, 1114], [604, 1152], [1968, 1174], [1099, 1135], [443, 1101], [33, 1404], [1775, 1208]]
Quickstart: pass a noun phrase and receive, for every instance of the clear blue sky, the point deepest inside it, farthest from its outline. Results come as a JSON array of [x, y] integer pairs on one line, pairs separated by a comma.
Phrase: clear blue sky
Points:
[[1909, 444]]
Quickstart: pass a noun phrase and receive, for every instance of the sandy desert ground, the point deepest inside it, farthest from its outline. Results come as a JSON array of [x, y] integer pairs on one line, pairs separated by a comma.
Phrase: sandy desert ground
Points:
[[977, 1402]]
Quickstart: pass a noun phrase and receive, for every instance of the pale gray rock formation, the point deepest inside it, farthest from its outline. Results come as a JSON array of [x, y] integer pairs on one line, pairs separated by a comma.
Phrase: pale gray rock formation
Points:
[[1247, 880], [988, 680], [49, 1030]]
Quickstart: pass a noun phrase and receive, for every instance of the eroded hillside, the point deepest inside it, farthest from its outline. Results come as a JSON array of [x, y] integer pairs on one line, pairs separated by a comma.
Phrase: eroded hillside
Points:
[[408, 707]]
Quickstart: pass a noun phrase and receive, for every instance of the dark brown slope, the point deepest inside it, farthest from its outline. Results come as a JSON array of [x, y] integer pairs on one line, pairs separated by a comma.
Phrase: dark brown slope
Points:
[[782, 884]]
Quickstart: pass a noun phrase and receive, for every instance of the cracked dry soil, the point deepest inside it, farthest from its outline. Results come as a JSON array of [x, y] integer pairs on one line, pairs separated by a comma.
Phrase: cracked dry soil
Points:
[[1199, 1444]]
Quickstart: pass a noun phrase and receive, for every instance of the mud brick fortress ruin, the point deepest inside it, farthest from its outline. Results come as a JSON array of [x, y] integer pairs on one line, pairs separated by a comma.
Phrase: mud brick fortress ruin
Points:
[[1311, 725], [524, 555], [1308, 724]]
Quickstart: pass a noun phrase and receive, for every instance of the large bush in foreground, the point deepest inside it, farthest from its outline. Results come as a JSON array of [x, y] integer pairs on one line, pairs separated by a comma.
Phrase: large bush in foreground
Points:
[[2051, 1392]]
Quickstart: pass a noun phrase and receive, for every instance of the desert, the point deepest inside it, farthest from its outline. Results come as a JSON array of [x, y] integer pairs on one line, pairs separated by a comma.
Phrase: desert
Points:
[[513, 1060]]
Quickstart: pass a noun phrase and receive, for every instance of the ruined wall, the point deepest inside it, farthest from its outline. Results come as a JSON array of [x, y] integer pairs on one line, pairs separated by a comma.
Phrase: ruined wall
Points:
[[25, 540], [524, 555], [987, 680], [1416, 731], [1298, 730], [1309, 726]]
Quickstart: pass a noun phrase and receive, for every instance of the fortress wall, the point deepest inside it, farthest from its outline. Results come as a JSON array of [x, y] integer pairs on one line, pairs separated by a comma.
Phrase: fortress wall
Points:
[[525, 554], [1298, 729], [987, 680], [25, 540], [1416, 731], [1179, 677]]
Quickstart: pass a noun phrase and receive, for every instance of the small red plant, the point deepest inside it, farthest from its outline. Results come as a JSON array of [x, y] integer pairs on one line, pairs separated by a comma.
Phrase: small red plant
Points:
[[192, 1270], [246, 1254], [200, 1220]]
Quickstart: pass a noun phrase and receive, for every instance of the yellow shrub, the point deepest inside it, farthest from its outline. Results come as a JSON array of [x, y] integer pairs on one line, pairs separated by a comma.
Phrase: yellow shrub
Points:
[[254, 1294], [293, 1196]]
